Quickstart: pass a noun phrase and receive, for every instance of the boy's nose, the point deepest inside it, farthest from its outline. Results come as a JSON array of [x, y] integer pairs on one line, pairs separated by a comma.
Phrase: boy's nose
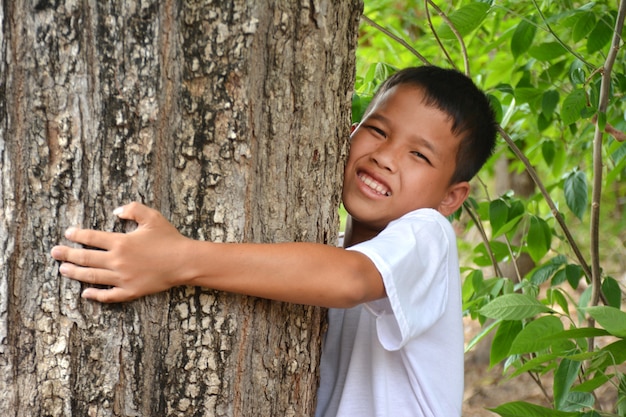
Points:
[[385, 156]]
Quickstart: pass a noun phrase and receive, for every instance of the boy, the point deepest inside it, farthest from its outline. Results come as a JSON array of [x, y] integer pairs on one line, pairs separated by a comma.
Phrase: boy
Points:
[[394, 345]]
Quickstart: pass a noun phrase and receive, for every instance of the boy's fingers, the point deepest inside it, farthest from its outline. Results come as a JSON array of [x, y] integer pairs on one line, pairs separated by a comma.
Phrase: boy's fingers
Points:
[[83, 257], [92, 276], [110, 295], [135, 211], [93, 238]]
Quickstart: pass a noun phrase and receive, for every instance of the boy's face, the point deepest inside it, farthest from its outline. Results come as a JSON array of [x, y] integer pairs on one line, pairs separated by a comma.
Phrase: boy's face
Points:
[[402, 157]]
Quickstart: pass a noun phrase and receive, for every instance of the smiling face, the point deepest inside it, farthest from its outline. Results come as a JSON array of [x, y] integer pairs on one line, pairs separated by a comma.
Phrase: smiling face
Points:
[[402, 157]]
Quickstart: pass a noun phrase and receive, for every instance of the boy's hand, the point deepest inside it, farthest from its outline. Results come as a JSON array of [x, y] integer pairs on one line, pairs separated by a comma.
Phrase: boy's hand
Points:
[[144, 261]]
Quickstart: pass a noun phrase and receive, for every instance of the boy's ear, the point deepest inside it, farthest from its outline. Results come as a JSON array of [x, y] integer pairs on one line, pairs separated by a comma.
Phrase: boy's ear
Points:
[[456, 195]]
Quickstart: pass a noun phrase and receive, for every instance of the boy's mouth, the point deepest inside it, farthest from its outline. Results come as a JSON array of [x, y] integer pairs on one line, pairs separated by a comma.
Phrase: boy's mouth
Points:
[[373, 184]]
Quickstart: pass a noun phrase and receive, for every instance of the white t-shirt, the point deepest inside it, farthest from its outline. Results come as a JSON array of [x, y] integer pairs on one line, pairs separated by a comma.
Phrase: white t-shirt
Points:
[[401, 355]]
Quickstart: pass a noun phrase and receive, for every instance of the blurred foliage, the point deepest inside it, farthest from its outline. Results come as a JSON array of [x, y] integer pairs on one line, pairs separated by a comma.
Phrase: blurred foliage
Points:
[[555, 72]]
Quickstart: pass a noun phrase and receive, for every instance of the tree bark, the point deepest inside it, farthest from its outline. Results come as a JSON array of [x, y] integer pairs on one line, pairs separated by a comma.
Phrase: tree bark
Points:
[[230, 118]]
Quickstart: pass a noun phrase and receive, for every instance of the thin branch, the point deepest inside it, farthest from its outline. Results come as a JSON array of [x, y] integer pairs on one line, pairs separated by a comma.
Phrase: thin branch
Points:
[[397, 39], [514, 258], [535, 377], [597, 154], [553, 33], [544, 192], [492, 257], [454, 30], [434, 32]]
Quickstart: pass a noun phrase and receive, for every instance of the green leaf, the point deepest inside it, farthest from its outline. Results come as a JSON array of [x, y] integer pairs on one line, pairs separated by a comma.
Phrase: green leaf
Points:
[[557, 296], [498, 215], [558, 278], [383, 71], [548, 151], [528, 94], [564, 378], [600, 36], [591, 384], [503, 339], [496, 105], [609, 356], [537, 364], [574, 273], [504, 214], [615, 174], [547, 51], [543, 121], [523, 37], [539, 238], [524, 409], [585, 24], [500, 251], [549, 101], [359, 104], [572, 106], [480, 336], [465, 19], [610, 318], [577, 401], [576, 195], [621, 402], [612, 292], [619, 154], [560, 159], [534, 337], [579, 333], [577, 72], [469, 288], [513, 307], [542, 273], [583, 302]]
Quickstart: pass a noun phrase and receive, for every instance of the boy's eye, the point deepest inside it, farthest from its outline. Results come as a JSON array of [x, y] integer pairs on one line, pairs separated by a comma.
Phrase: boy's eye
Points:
[[377, 131], [421, 155]]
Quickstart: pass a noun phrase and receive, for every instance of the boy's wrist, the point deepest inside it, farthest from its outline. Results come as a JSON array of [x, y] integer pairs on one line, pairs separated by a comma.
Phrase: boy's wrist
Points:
[[189, 262]]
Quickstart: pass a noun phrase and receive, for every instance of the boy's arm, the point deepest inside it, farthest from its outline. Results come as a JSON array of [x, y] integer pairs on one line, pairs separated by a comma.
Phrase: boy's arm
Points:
[[155, 257]]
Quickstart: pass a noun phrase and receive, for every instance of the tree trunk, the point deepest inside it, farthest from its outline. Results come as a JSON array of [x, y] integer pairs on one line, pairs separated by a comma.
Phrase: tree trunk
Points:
[[230, 118]]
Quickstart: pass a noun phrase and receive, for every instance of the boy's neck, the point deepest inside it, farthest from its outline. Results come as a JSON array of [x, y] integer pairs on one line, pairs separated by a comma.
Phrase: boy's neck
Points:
[[357, 232]]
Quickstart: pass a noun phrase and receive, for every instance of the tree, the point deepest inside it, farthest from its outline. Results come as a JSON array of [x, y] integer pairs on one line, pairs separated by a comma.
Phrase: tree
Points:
[[232, 120]]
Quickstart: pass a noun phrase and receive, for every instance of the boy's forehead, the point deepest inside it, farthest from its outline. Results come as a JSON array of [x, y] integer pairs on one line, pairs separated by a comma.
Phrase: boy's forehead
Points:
[[391, 94], [403, 99], [403, 104]]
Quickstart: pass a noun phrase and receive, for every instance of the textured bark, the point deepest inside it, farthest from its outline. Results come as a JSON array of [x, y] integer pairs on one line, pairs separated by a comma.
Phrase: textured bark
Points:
[[232, 119]]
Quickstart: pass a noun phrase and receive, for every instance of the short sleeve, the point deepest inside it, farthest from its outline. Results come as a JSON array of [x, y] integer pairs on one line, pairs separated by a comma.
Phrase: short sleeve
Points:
[[411, 255]]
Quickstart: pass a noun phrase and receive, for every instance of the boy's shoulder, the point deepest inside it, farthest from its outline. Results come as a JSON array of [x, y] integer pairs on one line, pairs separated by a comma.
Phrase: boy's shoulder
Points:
[[426, 215], [418, 227]]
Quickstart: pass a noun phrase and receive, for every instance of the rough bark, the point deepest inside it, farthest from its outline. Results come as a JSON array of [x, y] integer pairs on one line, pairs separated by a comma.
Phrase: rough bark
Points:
[[232, 119]]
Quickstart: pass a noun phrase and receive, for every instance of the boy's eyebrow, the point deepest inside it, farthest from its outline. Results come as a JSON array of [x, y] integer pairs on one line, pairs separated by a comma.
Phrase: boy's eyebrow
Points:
[[414, 138]]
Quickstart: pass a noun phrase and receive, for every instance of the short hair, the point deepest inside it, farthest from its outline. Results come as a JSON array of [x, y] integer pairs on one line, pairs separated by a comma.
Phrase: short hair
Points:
[[456, 95]]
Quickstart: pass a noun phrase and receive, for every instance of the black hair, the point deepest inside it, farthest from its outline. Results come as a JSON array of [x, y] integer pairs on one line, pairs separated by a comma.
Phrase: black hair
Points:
[[455, 94]]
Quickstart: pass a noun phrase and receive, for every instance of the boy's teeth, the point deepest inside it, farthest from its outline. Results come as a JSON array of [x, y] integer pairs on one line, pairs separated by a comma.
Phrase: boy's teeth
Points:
[[379, 188]]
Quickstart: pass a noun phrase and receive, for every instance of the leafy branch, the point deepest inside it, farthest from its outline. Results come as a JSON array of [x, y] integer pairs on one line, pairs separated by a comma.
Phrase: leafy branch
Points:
[[546, 89]]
